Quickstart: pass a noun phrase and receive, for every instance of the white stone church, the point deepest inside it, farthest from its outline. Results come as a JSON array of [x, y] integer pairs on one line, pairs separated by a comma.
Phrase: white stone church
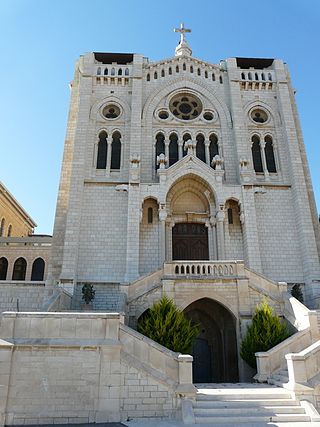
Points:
[[184, 178]]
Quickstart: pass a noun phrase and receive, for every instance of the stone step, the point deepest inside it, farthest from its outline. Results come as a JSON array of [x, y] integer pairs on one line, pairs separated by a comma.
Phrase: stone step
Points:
[[244, 396], [245, 403], [249, 411], [278, 382], [289, 418]]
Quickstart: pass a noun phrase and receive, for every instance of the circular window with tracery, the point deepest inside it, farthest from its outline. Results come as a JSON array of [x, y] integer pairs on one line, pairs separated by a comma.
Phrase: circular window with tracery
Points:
[[111, 111], [259, 116], [185, 106]]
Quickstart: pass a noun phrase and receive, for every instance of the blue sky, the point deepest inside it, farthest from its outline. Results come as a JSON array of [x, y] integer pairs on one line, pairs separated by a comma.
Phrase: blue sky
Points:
[[40, 41]]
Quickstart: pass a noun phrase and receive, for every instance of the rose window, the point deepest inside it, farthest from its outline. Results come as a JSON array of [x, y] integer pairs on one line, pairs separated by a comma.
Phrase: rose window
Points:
[[185, 106]]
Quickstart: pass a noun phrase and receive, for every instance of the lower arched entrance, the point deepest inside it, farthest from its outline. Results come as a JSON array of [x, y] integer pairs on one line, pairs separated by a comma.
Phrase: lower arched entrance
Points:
[[190, 241], [215, 349]]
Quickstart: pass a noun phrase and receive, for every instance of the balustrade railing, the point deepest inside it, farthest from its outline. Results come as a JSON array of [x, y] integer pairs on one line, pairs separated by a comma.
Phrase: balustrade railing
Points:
[[203, 268]]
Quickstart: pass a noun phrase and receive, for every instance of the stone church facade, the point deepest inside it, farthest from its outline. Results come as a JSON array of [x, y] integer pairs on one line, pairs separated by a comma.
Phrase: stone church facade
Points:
[[179, 177]]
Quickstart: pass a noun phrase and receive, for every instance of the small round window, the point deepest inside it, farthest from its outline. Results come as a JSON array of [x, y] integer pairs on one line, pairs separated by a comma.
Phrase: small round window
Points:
[[208, 116], [111, 112], [259, 116], [163, 114], [185, 106]]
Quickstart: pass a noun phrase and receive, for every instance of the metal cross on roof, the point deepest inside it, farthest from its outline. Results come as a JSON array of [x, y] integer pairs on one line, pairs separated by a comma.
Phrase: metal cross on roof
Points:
[[182, 31]]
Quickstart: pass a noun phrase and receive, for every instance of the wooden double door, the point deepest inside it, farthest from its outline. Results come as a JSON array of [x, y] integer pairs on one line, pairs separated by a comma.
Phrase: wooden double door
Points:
[[190, 241]]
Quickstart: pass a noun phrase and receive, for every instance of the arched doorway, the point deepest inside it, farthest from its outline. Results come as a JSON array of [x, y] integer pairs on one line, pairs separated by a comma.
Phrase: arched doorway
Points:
[[215, 349], [190, 241]]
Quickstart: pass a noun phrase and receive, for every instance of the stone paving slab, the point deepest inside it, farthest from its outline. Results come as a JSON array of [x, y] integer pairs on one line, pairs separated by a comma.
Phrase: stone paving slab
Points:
[[173, 423]]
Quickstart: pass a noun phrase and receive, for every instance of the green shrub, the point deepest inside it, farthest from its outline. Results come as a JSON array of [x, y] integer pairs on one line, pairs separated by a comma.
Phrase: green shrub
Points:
[[166, 324], [265, 332], [297, 292], [88, 293]]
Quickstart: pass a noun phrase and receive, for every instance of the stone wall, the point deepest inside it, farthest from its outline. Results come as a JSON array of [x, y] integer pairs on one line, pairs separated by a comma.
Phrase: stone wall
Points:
[[21, 296], [84, 367]]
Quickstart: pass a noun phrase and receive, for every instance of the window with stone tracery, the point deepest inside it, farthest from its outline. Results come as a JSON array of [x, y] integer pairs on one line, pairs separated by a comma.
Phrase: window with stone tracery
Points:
[[269, 154], [263, 156], [116, 151], [102, 150], [160, 147], [256, 154]]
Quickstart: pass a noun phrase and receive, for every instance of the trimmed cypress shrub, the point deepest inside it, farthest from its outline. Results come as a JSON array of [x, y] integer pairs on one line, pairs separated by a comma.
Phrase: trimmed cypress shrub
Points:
[[265, 332], [297, 292], [166, 324]]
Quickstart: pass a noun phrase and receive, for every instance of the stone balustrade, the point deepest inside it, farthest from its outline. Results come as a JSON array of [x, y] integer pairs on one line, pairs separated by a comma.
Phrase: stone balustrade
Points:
[[26, 241], [201, 269], [303, 366]]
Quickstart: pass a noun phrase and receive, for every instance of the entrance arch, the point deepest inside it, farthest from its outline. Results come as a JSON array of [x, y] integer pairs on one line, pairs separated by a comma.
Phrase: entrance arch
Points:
[[215, 356]]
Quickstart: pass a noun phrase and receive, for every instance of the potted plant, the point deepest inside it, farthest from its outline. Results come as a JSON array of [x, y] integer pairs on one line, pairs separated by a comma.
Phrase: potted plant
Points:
[[88, 294]]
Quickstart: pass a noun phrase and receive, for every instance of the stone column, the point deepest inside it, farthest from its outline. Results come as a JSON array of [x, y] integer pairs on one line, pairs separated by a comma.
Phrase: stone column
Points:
[[207, 144], [162, 240], [213, 234], [166, 150], [109, 150], [220, 233], [264, 162], [180, 147]]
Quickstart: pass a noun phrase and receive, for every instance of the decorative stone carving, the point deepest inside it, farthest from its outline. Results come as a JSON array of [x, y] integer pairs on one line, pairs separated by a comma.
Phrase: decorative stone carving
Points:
[[190, 146], [162, 160], [217, 162], [162, 213], [135, 160], [244, 163]]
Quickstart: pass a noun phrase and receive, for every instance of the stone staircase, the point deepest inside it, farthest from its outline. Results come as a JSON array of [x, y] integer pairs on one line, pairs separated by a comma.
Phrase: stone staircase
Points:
[[279, 378], [250, 404]]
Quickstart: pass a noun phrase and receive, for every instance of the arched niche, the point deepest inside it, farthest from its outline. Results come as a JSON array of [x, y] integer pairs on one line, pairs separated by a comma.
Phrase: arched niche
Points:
[[215, 354]]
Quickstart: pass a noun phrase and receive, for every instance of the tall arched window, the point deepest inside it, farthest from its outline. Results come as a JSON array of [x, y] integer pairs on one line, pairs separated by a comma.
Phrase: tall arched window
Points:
[[206, 74], [199, 72], [191, 69], [37, 270], [160, 148], [19, 269], [113, 71], [126, 72], [3, 268], [184, 67], [249, 76], [120, 72], [177, 69], [99, 71], [9, 230], [213, 147], [155, 76], [162, 73], [173, 149], [116, 151], [170, 70], [220, 79], [102, 150], [268, 151], [243, 76], [200, 148], [213, 77], [2, 224], [256, 154], [148, 77], [106, 71]]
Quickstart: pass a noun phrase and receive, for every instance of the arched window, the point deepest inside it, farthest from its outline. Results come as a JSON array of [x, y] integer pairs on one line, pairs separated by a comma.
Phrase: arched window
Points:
[[150, 215], [213, 77], [160, 148], [155, 76], [213, 147], [256, 76], [126, 72], [113, 71], [249, 76], [200, 148], [256, 154], [2, 224], [206, 74], [99, 71], [162, 73], [268, 151], [37, 270], [173, 149], [191, 69], [148, 77], [106, 71], [3, 268], [199, 72], [263, 77], [120, 72], [270, 77], [177, 69], [116, 151], [170, 70], [102, 150], [19, 269], [184, 67], [220, 79], [243, 76], [9, 230]]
